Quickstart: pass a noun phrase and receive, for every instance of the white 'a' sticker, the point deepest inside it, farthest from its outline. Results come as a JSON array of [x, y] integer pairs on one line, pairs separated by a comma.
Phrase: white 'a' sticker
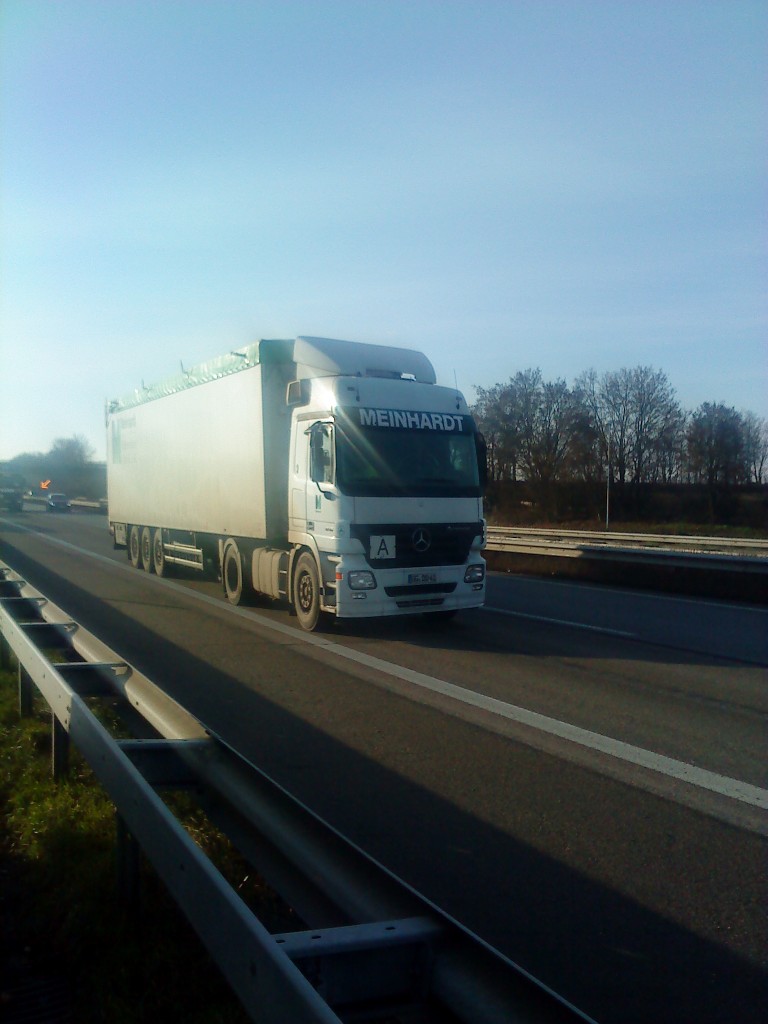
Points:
[[382, 545]]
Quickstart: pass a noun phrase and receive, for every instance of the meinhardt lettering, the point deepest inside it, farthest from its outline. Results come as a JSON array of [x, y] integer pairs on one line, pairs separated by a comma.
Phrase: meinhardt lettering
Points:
[[403, 419]]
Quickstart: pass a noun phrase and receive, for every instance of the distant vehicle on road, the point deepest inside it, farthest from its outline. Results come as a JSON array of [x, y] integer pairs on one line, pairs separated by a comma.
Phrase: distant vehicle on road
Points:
[[10, 496], [59, 503]]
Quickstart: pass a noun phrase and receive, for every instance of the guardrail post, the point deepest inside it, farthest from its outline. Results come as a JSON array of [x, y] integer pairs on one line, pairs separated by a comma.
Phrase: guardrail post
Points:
[[59, 749], [26, 693], [128, 850]]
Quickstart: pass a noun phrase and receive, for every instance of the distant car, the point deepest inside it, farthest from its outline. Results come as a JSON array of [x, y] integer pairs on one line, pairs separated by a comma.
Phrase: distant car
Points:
[[59, 503]]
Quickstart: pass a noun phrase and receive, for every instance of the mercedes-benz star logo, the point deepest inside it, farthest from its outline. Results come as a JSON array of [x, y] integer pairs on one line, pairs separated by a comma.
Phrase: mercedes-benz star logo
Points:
[[421, 539]]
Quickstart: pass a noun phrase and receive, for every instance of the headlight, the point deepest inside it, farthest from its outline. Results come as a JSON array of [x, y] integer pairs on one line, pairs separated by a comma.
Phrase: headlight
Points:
[[474, 574], [362, 580]]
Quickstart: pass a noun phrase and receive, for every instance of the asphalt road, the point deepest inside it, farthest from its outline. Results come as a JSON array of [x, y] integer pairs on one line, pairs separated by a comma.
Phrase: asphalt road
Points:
[[576, 773]]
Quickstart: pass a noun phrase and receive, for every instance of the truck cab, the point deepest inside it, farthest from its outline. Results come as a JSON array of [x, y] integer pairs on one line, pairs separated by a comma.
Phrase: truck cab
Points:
[[385, 491]]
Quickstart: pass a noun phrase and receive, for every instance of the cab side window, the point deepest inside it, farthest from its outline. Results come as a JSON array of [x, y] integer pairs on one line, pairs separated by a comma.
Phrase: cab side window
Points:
[[322, 467]]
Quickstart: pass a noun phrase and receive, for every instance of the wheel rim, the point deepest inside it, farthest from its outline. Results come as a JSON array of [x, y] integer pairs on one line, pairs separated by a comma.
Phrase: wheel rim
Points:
[[306, 592]]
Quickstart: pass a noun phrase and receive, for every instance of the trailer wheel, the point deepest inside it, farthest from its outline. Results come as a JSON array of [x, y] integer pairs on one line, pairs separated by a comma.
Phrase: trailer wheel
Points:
[[134, 547], [232, 572], [161, 567], [146, 550], [306, 592]]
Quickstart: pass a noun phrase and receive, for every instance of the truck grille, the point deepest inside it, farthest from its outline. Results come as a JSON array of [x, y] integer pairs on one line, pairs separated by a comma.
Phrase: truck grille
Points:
[[420, 588], [418, 544]]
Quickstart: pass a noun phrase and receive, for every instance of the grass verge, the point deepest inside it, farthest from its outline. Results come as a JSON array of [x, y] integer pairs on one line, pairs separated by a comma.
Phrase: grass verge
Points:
[[61, 919]]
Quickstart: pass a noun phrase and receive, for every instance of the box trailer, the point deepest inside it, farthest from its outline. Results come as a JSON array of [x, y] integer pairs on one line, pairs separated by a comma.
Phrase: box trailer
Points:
[[333, 475]]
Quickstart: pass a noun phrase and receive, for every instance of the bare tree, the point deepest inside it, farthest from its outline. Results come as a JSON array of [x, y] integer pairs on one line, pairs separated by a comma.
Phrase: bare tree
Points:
[[654, 414], [589, 392], [71, 451], [498, 417], [716, 445], [536, 426], [668, 460], [546, 426], [69, 465], [755, 446], [635, 416]]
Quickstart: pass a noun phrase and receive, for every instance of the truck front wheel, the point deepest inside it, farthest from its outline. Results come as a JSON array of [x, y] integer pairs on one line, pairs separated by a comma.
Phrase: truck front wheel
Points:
[[306, 592]]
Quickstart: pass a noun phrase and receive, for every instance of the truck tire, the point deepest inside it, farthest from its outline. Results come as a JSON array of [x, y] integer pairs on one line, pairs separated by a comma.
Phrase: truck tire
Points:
[[232, 573], [161, 567], [306, 592], [134, 547], [146, 550]]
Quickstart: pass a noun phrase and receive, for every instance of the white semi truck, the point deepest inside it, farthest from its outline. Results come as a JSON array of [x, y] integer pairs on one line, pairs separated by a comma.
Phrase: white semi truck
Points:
[[333, 475]]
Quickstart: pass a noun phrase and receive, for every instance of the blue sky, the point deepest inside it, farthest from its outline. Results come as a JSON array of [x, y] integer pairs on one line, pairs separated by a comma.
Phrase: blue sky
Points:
[[562, 183]]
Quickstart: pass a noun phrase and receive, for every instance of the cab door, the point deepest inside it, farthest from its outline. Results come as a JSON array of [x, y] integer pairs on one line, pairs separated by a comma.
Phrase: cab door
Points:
[[322, 504], [297, 509]]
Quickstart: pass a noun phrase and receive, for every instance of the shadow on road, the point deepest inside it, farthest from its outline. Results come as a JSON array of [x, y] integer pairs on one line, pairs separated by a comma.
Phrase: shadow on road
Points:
[[597, 946]]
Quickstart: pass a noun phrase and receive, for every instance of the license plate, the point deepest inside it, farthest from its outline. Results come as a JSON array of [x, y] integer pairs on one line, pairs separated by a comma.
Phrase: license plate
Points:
[[422, 577]]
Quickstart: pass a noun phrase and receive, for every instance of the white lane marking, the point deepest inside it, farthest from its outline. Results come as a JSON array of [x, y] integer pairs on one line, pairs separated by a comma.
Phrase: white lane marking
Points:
[[735, 789], [559, 622]]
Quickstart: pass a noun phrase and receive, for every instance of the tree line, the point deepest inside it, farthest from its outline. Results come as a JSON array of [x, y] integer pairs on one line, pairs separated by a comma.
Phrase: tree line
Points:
[[68, 466], [623, 426]]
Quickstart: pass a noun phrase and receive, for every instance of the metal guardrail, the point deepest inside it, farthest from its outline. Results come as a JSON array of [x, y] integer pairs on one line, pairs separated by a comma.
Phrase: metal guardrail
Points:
[[99, 506], [659, 549], [374, 942]]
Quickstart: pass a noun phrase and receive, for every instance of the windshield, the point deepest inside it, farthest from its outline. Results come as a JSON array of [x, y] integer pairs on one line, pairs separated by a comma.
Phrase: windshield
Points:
[[394, 461]]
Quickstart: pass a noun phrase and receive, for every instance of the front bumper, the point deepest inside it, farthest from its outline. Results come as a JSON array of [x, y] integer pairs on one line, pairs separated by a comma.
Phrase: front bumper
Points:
[[405, 591]]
